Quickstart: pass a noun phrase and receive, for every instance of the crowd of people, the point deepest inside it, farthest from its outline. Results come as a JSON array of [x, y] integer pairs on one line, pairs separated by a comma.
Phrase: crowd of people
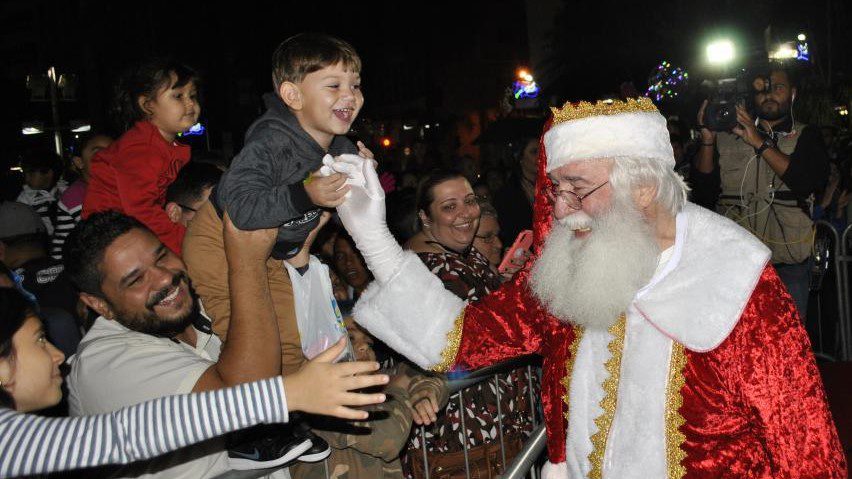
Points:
[[206, 318]]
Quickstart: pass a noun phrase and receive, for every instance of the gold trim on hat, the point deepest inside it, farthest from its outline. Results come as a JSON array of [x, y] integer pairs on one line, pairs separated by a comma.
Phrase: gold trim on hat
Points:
[[584, 109]]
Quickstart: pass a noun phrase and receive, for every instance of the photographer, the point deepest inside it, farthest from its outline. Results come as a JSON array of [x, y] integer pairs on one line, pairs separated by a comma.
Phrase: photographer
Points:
[[768, 171]]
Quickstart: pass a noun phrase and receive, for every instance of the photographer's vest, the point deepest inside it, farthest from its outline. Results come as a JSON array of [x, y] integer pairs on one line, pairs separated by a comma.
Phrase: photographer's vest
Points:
[[754, 196]]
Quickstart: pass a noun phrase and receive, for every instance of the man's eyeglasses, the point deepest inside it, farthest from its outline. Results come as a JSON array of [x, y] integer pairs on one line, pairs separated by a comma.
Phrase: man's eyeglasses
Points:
[[573, 200]]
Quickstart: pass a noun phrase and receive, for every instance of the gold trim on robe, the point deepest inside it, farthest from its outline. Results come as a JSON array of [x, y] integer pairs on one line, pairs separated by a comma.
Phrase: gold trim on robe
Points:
[[448, 355], [610, 387], [674, 420]]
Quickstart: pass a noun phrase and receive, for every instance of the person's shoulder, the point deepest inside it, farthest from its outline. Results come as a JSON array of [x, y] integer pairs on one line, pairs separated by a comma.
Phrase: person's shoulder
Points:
[[73, 195]]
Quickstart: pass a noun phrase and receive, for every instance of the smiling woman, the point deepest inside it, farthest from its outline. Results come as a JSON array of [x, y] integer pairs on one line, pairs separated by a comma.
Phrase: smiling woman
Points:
[[450, 216]]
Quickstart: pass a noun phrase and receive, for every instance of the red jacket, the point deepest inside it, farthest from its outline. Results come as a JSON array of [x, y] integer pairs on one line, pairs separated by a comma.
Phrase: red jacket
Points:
[[131, 176]]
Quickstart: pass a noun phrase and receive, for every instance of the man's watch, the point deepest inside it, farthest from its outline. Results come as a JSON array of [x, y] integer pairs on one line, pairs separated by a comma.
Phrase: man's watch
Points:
[[767, 144]]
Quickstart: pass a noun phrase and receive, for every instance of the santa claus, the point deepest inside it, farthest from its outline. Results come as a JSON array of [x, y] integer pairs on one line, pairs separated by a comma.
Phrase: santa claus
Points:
[[671, 348]]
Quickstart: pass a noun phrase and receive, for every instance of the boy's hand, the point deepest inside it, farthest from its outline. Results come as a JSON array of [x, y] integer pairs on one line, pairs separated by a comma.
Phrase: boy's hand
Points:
[[326, 191], [323, 387], [365, 152]]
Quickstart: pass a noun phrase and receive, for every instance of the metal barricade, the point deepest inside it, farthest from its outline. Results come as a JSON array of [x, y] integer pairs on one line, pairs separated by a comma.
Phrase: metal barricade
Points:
[[839, 258], [457, 388]]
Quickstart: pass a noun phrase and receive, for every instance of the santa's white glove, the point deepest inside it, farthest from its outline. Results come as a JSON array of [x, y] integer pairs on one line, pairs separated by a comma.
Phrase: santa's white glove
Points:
[[363, 216], [351, 166]]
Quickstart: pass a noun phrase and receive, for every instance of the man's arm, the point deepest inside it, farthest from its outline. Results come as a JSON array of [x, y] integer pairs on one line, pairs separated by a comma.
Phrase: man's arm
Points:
[[253, 349], [781, 385]]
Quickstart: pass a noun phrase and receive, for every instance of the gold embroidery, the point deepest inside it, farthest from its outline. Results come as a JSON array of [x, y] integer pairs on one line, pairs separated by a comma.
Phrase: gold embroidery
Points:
[[674, 420], [610, 387], [569, 367], [585, 109], [448, 355]]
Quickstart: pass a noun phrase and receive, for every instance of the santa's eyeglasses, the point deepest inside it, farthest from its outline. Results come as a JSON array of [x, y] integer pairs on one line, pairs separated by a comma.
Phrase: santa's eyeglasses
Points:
[[573, 200]]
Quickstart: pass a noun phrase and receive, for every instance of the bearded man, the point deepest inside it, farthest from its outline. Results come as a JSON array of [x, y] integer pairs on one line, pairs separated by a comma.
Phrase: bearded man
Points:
[[670, 346]]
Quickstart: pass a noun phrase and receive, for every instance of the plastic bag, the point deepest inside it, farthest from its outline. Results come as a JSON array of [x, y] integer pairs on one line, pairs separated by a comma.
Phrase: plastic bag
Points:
[[317, 314]]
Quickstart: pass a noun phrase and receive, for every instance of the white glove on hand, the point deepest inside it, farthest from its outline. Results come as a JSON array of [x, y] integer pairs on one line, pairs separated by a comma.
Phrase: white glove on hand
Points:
[[363, 216]]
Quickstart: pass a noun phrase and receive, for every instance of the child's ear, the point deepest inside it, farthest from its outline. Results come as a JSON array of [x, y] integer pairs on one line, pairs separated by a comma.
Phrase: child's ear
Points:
[[292, 96], [143, 102], [173, 211]]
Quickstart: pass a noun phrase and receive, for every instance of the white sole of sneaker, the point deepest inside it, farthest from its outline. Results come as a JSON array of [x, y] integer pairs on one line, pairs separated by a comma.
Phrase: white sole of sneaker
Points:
[[319, 456], [240, 464]]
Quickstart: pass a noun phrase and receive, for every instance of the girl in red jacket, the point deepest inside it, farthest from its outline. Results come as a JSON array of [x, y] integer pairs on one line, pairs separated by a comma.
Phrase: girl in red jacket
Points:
[[156, 101]]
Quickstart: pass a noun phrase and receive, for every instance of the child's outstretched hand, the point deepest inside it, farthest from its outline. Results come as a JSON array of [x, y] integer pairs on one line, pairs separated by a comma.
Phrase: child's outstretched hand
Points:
[[424, 406], [323, 387], [326, 191]]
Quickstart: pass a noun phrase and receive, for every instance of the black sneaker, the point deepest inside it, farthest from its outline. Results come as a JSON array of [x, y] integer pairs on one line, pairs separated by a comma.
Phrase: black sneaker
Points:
[[319, 449], [267, 452]]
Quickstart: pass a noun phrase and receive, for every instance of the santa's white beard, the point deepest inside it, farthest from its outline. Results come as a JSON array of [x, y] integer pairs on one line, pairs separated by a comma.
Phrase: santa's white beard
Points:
[[591, 281]]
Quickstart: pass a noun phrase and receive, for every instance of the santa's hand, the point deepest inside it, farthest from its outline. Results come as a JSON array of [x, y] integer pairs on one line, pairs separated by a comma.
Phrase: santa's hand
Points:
[[352, 166], [363, 216]]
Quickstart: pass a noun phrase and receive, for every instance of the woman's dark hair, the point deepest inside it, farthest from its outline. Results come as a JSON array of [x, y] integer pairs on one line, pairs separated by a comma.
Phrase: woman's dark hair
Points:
[[426, 190], [146, 79], [14, 309]]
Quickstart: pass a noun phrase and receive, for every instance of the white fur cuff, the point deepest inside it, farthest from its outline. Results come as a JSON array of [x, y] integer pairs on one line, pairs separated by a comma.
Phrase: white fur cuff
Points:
[[554, 471], [412, 313]]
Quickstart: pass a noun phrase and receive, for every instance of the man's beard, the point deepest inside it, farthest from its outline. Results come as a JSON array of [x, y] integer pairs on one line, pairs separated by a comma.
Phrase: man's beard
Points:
[[148, 322], [590, 282], [774, 114]]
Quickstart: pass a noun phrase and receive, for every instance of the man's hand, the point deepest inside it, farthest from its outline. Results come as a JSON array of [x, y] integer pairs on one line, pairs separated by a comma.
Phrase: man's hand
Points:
[[247, 247], [746, 129], [327, 191], [323, 387], [707, 135]]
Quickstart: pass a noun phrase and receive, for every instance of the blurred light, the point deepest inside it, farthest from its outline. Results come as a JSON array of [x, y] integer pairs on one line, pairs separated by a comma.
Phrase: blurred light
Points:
[[16, 168], [427, 126], [523, 74], [842, 110], [608, 101], [407, 127], [51, 73], [31, 130], [82, 128], [386, 142], [802, 37], [195, 130], [785, 51], [720, 52]]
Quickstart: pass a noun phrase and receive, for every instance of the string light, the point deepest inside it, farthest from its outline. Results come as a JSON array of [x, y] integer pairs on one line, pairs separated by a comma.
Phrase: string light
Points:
[[666, 81]]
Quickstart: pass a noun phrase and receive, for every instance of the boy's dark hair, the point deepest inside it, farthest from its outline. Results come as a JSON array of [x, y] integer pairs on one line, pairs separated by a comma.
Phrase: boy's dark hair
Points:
[[84, 249], [306, 53], [41, 159], [191, 182], [146, 79]]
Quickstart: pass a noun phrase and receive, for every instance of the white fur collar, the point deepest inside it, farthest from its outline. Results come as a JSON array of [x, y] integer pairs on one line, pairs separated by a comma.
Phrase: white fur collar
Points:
[[697, 299]]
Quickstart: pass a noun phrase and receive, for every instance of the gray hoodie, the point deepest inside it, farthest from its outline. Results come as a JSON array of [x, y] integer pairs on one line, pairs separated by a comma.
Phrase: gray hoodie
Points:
[[263, 187]]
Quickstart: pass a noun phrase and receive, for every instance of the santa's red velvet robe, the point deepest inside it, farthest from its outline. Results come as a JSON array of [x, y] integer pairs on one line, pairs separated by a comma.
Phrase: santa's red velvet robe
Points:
[[741, 396]]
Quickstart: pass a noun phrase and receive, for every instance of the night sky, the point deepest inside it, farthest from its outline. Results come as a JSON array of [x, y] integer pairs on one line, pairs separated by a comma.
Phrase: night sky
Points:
[[421, 59]]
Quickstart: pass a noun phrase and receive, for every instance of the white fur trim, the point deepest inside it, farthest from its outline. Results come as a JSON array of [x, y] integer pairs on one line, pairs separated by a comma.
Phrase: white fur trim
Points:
[[713, 271], [636, 448], [636, 135], [554, 471], [412, 312]]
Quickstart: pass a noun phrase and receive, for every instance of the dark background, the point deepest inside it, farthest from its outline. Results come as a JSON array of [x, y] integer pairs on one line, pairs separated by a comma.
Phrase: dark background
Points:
[[423, 61]]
